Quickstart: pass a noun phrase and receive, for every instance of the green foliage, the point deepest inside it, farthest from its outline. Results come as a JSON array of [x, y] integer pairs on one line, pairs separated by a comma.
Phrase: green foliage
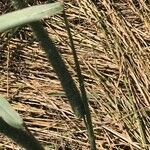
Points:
[[78, 99], [9, 115], [27, 15], [12, 125]]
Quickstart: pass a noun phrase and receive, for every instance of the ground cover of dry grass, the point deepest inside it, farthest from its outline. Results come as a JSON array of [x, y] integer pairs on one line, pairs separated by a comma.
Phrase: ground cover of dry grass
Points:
[[112, 39]]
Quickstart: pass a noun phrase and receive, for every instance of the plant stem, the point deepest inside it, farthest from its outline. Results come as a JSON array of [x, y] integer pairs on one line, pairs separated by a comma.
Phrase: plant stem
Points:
[[87, 117]]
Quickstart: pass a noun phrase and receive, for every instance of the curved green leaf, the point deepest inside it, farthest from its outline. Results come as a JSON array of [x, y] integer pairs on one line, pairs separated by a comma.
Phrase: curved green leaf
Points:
[[27, 15], [9, 115]]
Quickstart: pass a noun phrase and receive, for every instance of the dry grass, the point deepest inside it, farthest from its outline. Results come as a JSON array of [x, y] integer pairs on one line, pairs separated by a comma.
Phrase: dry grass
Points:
[[113, 44]]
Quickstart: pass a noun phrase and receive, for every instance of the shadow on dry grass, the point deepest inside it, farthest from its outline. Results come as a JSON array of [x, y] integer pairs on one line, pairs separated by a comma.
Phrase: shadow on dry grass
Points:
[[113, 43]]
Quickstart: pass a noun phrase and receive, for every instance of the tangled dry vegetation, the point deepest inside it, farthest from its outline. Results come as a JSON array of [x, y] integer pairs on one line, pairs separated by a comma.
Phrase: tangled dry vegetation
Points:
[[112, 39]]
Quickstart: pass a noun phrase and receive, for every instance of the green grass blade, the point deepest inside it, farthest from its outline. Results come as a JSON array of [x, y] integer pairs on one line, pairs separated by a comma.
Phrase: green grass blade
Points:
[[27, 15], [9, 115], [87, 117]]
